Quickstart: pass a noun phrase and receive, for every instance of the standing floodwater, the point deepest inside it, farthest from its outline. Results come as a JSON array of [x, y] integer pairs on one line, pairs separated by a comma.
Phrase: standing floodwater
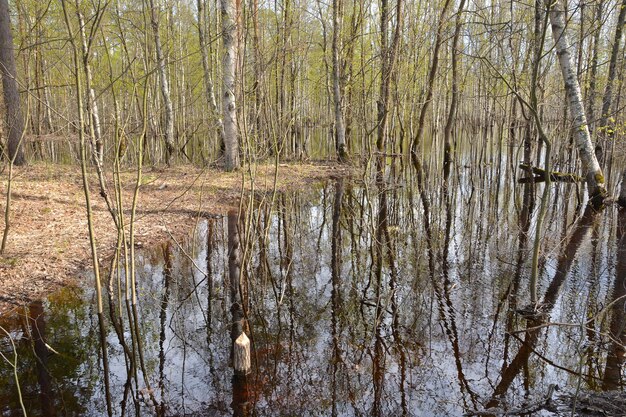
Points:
[[388, 295]]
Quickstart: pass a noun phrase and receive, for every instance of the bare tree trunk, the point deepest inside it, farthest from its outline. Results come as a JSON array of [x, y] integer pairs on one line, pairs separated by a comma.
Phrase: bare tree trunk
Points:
[[92, 105], [47, 104], [388, 58], [208, 80], [229, 110], [594, 70], [591, 167], [622, 194], [165, 85], [238, 325], [89, 209], [44, 120], [431, 77], [581, 39], [14, 118], [447, 148], [340, 128], [383, 98], [356, 22], [258, 86], [608, 92], [285, 39]]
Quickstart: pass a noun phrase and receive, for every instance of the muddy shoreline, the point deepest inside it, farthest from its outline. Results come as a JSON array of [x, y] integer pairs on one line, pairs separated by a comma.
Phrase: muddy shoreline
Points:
[[48, 245]]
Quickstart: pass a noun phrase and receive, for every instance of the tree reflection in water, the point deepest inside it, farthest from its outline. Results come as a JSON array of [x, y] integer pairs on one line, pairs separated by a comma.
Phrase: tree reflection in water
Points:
[[394, 295]]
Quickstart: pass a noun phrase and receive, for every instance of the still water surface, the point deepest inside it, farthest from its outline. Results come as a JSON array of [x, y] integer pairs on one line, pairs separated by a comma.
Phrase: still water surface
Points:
[[360, 300]]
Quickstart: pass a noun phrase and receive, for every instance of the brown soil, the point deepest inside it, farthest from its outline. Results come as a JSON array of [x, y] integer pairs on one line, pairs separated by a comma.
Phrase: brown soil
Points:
[[48, 245]]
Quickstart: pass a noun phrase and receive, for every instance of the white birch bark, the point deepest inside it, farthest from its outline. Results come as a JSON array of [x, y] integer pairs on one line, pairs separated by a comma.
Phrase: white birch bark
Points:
[[591, 167], [229, 62], [622, 194], [92, 104], [47, 102], [340, 128]]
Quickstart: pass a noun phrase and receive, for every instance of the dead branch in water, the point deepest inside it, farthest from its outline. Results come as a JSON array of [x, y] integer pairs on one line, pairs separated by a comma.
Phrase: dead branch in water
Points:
[[539, 175]]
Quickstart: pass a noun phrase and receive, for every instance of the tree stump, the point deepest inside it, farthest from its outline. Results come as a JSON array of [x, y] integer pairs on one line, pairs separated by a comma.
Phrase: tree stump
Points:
[[241, 355]]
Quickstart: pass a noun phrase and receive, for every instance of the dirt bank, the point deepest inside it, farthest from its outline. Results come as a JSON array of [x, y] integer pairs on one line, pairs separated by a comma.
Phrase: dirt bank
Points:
[[48, 244]]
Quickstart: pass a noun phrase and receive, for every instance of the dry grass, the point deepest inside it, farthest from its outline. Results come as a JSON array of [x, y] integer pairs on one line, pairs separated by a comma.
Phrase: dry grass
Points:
[[48, 244]]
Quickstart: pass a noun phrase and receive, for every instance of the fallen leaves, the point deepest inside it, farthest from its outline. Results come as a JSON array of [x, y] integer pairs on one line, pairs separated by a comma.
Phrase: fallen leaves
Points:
[[48, 244]]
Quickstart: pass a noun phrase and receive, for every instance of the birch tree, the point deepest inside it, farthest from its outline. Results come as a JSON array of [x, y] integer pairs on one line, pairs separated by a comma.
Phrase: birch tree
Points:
[[92, 104], [206, 70], [229, 62], [591, 167], [340, 128]]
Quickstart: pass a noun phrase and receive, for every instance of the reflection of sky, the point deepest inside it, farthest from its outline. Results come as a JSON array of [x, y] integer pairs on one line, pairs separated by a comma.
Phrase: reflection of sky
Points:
[[292, 330]]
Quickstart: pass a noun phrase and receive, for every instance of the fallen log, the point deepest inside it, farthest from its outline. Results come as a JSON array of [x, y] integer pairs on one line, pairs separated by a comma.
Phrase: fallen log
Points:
[[607, 403], [539, 175], [529, 409]]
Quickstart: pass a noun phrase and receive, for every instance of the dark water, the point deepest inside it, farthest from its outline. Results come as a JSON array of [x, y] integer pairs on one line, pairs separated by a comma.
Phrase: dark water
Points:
[[360, 300]]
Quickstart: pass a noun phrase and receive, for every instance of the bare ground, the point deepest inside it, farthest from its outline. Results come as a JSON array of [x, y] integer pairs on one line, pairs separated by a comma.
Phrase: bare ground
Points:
[[48, 244]]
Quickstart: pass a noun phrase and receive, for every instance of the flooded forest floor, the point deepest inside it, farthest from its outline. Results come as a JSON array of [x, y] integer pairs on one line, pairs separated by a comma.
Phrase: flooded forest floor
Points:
[[48, 244]]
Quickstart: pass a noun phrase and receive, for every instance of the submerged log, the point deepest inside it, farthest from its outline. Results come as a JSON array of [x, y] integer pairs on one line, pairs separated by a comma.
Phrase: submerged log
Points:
[[539, 175], [241, 355], [608, 403], [544, 403], [530, 180]]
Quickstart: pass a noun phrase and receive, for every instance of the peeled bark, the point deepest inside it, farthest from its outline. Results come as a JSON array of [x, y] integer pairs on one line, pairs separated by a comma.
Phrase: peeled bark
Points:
[[591, 167], [229, 110], [241, 355], [14, 118], [165, 85], [340, 128]]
